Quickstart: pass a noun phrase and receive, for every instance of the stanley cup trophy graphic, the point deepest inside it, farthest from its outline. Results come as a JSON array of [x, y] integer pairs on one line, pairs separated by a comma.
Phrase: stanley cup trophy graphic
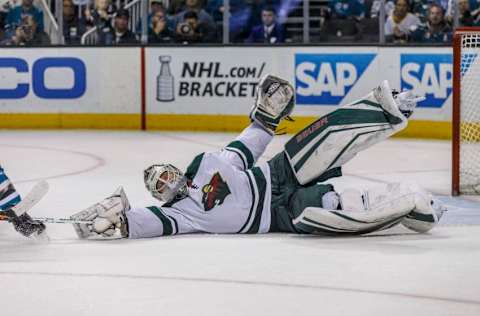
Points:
[[165, 89]]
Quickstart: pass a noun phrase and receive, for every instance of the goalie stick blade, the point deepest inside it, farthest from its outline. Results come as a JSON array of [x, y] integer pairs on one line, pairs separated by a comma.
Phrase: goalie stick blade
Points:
[[32, 198]]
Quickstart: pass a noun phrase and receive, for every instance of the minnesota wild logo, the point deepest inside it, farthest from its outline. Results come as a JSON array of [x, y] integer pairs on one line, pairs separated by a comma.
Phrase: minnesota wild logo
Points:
[[214, 192]]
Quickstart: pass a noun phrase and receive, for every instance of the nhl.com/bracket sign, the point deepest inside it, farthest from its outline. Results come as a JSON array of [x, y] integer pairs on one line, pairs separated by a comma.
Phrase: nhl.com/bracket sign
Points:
[[325, 79], [429, 75], [206, 78]]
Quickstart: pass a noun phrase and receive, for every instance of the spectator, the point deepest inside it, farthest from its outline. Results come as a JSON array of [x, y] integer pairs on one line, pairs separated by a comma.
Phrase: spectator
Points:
[[192, 30], [120, 33], [159, 32], [101, 18], [399, 25], [155, 6], [204, 19], [344, 9], [269, 31], [468, 15], [73, 27], [28, 34], [435, 30], [15, 15]]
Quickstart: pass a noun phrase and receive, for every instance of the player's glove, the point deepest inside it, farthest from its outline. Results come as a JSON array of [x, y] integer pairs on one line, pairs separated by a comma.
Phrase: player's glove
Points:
[[406, 101], [24, 224]]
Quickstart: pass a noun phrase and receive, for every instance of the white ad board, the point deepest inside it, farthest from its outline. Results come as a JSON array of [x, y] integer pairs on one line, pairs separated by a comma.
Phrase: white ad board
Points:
[[71, 80], [221, 80]]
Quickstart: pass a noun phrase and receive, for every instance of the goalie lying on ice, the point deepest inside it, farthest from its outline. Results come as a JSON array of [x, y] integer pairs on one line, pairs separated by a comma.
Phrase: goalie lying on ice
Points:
[[227, 192]]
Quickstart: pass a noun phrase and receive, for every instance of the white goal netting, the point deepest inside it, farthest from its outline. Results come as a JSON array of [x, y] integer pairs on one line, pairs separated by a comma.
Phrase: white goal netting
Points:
[[470, 114]]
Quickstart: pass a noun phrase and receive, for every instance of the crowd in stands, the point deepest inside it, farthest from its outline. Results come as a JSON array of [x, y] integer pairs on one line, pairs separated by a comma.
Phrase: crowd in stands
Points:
[[407, 21], [251, 21]]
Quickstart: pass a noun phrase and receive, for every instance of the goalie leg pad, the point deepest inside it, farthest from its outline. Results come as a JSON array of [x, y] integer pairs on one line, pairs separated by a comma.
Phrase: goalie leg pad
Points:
[[321, 221], [337, 137], [107, 216], [373, 210], [427, 212]]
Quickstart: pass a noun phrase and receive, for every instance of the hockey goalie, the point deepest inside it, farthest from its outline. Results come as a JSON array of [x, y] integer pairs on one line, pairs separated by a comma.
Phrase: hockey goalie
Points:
[[228, 192]]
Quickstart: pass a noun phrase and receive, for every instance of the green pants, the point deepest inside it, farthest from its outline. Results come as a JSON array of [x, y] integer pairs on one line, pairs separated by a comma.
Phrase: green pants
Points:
[[289, 198]]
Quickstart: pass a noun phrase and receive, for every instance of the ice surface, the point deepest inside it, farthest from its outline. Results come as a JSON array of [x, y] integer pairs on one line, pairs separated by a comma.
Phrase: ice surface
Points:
[[392, 273]]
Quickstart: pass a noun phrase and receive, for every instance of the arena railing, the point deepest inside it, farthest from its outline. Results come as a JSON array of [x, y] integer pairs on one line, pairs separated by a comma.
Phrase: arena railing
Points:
[[51, 27]]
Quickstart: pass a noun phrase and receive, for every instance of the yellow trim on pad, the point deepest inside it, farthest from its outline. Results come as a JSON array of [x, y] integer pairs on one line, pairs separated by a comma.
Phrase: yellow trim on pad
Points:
[[186, 122], [235, 123], [69, 120]]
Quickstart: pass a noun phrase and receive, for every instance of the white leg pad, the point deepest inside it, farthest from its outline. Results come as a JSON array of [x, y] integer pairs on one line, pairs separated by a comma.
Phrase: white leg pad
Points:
[[337, 137], [376, 209], [426, 214]]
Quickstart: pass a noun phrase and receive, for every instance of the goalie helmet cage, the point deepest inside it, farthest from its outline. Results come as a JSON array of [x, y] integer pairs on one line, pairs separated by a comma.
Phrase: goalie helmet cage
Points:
[[466, 112]]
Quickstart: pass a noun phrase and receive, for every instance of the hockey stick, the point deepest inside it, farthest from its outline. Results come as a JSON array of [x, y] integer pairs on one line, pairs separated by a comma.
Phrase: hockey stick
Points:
[[29, 201], [32, 198], [53, 220]]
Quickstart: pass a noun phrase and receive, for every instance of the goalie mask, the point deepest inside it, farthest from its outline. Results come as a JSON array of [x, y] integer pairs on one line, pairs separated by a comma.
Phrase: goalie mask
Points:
[[165, 182]]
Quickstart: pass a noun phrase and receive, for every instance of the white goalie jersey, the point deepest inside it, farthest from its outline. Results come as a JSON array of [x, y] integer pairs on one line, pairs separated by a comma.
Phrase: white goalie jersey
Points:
[[227, 194]]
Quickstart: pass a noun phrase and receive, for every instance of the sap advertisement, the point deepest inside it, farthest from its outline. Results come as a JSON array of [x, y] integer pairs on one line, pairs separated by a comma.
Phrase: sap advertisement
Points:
[[326, 79], [429, 75], [68, 80]]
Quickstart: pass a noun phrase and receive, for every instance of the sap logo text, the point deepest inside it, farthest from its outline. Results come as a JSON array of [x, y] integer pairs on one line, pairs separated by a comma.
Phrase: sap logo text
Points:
[[429, 75], [327, 78], [38, 84]]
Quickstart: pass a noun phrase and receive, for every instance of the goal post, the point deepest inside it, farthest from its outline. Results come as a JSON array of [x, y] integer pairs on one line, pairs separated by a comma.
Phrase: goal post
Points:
[[466, 112]]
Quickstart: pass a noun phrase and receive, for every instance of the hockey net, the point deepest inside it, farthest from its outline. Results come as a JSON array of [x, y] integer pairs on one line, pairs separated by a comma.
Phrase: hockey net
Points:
[[466, 112]]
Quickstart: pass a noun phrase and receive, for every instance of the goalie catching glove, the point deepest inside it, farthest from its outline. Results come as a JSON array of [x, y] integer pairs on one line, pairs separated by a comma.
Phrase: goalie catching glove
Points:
[[274, 102], [105, 217]]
